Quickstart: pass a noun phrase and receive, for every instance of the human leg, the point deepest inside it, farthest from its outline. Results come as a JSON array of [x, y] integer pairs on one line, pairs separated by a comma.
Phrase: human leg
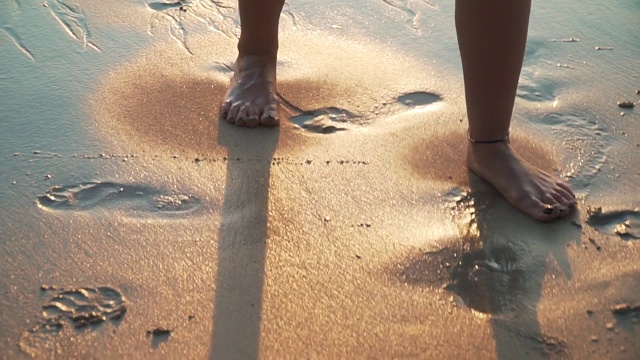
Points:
[[251, 98], [492, 37]]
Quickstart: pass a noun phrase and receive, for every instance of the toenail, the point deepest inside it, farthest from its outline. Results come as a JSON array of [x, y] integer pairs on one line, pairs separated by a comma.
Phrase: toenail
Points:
[[548, 210]]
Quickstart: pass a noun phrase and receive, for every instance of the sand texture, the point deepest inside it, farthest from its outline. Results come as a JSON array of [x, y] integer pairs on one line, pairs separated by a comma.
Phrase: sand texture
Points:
[[134, 224]]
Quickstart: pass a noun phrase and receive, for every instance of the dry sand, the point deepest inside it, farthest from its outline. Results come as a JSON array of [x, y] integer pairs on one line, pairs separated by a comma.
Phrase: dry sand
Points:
[[358, 235]]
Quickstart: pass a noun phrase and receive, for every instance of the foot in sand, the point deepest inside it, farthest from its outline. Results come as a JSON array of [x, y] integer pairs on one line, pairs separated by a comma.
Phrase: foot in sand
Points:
[[538, 194], [251, 98]]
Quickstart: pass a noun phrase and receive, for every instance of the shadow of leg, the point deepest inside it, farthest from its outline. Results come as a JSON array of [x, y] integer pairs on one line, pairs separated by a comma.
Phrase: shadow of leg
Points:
[[505, 276], [242, 241]]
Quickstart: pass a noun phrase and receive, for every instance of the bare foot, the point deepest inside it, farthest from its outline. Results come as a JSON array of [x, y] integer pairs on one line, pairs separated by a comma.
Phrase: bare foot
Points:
[[251, 98], [538, 194]]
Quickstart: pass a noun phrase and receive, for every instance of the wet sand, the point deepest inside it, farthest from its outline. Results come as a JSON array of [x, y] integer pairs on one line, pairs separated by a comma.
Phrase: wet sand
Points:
[[134, 224]]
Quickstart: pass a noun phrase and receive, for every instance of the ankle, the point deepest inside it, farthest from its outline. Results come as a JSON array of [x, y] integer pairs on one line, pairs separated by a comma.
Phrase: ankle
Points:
[[490, 140], [258, 63], [496, 150], [269, 52], [252, 61]]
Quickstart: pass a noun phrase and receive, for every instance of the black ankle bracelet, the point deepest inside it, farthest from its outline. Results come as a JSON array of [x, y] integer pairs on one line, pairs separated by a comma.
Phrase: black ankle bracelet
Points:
[[474, 141]]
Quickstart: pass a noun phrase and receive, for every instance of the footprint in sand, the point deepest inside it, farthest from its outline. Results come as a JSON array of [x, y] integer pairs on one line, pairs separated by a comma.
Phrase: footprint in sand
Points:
[[85, 307], [80, 309], [113, 196], [623, 223], [490, 282], [330, 120], [418, 99], [495, 280], [324, 121], [485, 283]]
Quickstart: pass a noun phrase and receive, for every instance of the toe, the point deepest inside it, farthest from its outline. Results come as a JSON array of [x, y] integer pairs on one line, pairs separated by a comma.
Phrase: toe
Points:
[[535, 208], [558, 198], [564, 198], [224, 109], [564, 186], [269, 116], [233, 113], [565, 211], [560, 206], [544, 212], [253, 117], [243, 114], [545, 209], [549, 200]]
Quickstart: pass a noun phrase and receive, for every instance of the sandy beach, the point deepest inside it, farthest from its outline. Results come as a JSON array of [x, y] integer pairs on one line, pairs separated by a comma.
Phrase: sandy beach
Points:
[[134, 224]]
